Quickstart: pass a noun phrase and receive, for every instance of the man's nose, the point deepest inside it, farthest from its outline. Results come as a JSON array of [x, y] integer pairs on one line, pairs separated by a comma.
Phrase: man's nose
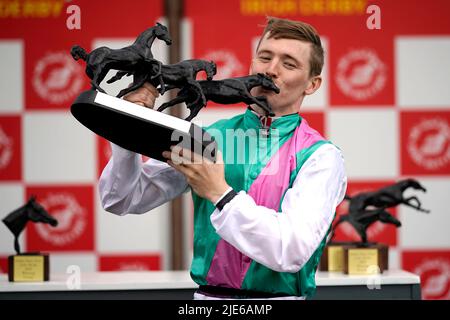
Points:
[[272, 69]]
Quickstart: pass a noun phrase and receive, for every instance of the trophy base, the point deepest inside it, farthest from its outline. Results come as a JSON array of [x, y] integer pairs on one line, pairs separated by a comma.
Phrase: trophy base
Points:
[[28, 267], [138, 129], [333, 256], [365, 259]]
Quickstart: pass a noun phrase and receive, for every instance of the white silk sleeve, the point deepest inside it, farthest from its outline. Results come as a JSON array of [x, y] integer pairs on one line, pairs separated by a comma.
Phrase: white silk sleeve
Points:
[[127, 185], [284, 241]]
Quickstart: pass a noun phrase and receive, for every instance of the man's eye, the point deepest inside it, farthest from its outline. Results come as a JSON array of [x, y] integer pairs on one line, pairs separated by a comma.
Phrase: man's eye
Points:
[[290, 65], [264, 58]]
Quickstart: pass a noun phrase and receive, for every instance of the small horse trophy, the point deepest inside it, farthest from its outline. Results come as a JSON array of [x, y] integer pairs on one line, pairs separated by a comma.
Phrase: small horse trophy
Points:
[[32, 266], [365, 209], [127, 124]]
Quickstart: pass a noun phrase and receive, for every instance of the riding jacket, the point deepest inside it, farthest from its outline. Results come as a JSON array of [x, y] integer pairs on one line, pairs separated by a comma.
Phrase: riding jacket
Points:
[[270, 236]]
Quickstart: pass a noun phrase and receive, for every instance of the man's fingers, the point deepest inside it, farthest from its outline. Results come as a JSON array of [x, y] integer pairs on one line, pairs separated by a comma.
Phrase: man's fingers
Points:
[[144, 96], [219, 157], [187, 156], [151, 88]]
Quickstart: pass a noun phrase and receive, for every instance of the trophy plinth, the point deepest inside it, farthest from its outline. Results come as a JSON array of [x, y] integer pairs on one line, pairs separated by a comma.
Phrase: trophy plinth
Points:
[[355, 258], [31, 266], [28, 267], [365, 259]]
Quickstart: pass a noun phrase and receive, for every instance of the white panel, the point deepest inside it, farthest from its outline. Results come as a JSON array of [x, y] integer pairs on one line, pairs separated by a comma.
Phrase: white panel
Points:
[[57, 148], [11, 197], [320, 99], [423, 231], [368, 140], [60, 263], [394, 258], [186, 39], [423, 72], [11, 80], [133, 233]]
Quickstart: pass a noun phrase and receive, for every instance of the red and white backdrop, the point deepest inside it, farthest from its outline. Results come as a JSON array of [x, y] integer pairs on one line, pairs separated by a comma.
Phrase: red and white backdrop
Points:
[[385, 101], [44, 151]]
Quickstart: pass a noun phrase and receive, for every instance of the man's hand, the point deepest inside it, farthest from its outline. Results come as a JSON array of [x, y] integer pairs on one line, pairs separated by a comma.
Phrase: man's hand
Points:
[[206, 178], [144, 96]]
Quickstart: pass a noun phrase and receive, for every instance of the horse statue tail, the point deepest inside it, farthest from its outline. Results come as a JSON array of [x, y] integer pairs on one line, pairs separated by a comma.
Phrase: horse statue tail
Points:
[[78, 52]]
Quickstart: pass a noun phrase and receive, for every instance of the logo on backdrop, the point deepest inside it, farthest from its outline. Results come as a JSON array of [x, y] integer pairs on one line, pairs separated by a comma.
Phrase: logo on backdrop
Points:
[[435, 278], [133, 266], [228, 65], [57, 78], [6, 149], [71, 219], [429, 143], [361, 74]]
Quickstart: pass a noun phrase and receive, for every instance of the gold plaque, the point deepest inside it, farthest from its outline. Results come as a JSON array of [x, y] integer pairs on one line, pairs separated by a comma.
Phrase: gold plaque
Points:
[[362, 261], [28, 268], [335, 258]]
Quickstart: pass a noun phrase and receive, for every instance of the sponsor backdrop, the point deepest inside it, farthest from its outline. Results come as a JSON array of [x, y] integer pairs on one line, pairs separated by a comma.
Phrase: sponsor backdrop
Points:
[[384, 101]]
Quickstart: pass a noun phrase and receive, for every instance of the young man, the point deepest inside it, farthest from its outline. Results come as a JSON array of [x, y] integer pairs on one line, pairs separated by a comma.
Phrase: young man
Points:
[[260, 221]]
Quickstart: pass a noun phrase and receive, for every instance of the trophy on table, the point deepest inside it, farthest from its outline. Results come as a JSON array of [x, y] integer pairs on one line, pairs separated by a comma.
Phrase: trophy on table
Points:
[[31, 266], [150, 132], [366, 208]]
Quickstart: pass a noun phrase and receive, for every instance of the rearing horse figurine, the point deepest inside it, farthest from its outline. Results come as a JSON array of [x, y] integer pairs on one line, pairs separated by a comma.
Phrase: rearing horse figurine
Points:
[[362, 220], [31, 211], [103, 59], [389, 196]]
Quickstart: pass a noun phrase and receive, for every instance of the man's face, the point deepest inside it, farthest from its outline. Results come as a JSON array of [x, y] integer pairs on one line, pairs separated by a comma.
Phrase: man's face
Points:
[[287, 62]]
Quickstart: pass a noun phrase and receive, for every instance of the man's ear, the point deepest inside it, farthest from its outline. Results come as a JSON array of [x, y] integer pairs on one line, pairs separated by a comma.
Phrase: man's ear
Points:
[[314, 85]]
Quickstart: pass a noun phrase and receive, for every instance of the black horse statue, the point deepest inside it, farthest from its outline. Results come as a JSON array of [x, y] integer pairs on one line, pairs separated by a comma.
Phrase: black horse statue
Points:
[[171, 76], [362, 220], [226, 91], [103, 59], [31, 211], [387, 197]]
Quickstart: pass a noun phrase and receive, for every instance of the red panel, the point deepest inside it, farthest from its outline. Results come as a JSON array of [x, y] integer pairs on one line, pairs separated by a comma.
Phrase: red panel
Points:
[[130, 262], [362, 72], [316, 121], [53, 78], [433, 267], [10, 148], [73, 207], [425, 143], [3, 265]]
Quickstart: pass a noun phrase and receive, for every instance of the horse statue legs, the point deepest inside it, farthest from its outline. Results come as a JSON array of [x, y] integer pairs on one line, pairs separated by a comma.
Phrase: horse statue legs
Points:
[[418, 207], [262, 102], [98, 78], [362, 233], [178, 99], [343, 218], [141, 76]]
